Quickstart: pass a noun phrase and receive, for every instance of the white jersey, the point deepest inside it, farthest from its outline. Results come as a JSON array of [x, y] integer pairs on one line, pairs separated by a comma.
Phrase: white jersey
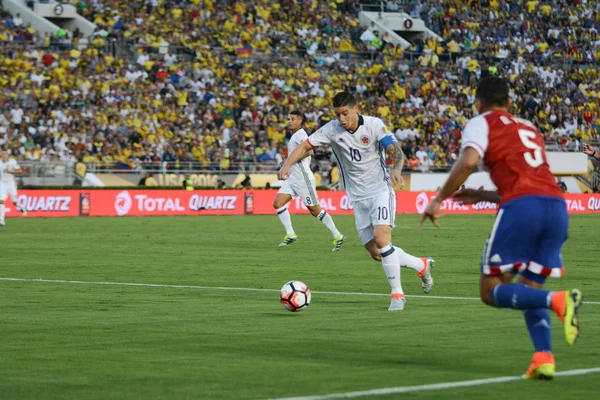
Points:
[[360, 155], [6, 178], [300, 171]]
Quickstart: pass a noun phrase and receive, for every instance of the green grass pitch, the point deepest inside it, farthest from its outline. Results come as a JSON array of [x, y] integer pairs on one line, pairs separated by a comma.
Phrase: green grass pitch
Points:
[[83, 341]]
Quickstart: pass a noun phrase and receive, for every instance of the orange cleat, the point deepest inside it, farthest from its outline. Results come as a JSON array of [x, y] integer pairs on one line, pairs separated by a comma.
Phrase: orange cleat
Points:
[[542, 367]]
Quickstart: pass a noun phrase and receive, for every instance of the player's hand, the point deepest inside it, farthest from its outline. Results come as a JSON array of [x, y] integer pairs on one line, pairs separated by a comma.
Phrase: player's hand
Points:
[[467, 196], [397, 179], [433, 213], [284, 173], [587, 149]]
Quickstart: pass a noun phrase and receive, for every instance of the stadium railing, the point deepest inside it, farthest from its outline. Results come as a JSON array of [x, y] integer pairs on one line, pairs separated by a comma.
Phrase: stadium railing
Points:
[[47, 173]]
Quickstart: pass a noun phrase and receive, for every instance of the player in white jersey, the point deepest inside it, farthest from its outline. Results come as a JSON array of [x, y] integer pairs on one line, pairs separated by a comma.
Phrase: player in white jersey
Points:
[[8, 186], [359, 143], [301, 183]]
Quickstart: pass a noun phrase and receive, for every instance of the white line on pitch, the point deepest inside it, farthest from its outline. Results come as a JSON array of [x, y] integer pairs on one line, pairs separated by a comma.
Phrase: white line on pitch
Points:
[[431, 387], [160, 285]]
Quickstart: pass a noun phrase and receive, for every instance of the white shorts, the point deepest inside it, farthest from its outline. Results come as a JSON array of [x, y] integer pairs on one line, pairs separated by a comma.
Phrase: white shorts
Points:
[[380, 210], [306, 190], [8, 189]]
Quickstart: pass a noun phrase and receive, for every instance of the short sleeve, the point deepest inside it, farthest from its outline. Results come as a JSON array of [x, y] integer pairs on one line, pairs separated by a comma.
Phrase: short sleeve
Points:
[[476, 135], [321, 136], [384, 136], [302, 136]]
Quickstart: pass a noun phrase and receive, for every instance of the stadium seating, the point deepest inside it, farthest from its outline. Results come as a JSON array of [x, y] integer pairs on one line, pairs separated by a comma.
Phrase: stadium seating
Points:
[[207, 84]]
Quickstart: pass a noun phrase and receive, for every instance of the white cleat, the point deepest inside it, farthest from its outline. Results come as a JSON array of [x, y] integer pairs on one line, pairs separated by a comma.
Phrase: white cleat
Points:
[[397, 304], [288, 239], [1, 223], [426, 278], [23, 211]]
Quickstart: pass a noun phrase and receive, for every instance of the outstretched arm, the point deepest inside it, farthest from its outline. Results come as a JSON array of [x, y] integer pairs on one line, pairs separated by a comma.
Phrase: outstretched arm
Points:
[[458, 175], [472, 196], [395, 159], [589, 150], [298, 154], [461, 170]]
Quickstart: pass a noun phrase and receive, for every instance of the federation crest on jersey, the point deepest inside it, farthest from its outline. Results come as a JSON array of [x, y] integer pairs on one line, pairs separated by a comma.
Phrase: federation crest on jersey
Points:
[[364, 140]]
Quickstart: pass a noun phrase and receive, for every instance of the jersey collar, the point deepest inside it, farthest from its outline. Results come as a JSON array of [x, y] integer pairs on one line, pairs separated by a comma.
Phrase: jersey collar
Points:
[[361, 121]]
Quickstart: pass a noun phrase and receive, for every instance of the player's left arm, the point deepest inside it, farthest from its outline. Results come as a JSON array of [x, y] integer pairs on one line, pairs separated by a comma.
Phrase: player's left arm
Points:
[[393, 151], [395, 159]]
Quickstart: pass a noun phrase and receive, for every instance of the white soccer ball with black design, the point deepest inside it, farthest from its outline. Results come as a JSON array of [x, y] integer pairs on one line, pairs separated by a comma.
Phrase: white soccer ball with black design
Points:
[[295, 296]]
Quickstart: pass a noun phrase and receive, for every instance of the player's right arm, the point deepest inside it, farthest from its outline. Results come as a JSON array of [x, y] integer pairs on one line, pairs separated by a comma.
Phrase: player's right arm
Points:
[[589, 150], [298, 154], [13, 168], [320, 137], [475, 140]]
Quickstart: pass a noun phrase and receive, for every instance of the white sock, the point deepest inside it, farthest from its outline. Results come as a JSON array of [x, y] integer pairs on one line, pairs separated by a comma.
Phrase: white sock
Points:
[[391, 265], [14, 201], [2, 213], [328, 222], [408, 261], [286, 220]]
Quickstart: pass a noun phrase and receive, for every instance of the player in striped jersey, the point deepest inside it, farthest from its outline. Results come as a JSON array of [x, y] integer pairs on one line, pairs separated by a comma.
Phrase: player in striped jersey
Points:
[[301, 183], [359, 143]]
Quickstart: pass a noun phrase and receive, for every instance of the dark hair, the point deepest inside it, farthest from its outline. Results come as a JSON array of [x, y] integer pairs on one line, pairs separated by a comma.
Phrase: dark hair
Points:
[[493, 92], [344, 99], [300, 114]]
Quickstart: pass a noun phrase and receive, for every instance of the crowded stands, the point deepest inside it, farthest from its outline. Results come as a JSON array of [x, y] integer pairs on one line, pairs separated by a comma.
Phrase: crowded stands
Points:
[[208, 84]]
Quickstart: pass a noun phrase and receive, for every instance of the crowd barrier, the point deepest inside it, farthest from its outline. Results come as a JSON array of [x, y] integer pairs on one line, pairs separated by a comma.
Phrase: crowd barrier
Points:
[[72, 203]]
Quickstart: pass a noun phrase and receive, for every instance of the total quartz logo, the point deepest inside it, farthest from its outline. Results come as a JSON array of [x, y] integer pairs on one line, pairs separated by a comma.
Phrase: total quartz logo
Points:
[[123, 203], [421, 202]]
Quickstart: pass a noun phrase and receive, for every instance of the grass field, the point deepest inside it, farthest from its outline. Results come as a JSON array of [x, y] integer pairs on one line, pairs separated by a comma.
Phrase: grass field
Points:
[[92, 341]]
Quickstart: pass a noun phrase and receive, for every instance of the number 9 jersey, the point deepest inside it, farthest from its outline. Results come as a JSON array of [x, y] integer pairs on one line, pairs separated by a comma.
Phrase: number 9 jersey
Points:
[[513, 152]]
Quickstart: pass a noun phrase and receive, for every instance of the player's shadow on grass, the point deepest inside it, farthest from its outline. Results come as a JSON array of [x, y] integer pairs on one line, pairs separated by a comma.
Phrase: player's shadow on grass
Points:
[[283, 313]]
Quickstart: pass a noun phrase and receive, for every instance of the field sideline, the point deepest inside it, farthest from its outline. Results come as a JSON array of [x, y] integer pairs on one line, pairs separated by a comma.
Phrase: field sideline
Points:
[[127, 308]]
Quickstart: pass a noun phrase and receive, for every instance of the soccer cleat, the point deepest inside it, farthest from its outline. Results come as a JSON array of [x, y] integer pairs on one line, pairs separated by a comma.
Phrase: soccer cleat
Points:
[[425, 274], [23, 211], [542, 367], [573, 302], [338, 242], [398, 302], [288, 239]]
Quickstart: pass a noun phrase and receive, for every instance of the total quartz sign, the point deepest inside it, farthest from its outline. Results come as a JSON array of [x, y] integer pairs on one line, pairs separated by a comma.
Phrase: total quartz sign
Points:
[[71, 203], [164, 202]]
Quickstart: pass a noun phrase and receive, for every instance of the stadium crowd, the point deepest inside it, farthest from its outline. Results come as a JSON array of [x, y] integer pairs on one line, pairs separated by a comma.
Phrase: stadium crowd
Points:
[[211, 82]]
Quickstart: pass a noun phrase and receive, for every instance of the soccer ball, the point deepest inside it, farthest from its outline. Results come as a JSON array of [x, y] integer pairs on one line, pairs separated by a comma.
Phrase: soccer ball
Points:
[[294, 296]]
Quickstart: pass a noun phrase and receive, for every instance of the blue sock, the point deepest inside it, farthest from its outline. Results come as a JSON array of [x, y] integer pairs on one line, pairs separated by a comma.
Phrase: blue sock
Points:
[[538, 325], [521, 297]]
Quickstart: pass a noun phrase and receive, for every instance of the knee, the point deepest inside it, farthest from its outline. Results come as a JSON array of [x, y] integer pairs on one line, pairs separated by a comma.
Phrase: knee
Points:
[[277, 205], [314, 212], [485, 294], [381, 240]]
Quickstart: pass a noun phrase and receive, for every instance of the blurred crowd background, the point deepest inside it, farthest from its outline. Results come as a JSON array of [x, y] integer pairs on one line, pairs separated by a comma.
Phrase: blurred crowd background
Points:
[[207, 85]]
